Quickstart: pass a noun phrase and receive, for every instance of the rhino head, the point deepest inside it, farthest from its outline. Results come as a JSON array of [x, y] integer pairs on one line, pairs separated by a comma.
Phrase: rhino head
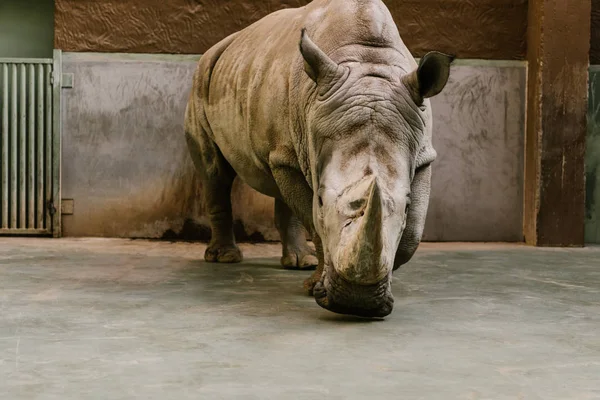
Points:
[[369, 133]]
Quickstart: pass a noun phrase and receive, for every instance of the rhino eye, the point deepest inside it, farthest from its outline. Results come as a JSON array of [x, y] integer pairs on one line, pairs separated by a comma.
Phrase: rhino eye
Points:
[[357, 204], [320, 199]]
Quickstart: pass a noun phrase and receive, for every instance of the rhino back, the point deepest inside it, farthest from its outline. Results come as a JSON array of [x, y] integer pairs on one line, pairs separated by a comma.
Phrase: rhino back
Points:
[[248, 99], [258, 92]]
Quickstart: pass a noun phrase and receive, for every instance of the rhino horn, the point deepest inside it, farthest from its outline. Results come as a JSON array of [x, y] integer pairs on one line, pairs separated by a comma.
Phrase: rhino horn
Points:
[[361, 264], [317, 65]]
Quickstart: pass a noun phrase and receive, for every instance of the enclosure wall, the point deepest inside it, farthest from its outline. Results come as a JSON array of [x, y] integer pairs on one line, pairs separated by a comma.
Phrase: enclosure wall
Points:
[[595, 34], [592, 206], [26, 28], [467, 28], [592, 159], [126, 165]]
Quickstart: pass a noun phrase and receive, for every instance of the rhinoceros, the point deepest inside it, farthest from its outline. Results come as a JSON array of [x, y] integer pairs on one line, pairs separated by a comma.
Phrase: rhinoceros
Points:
[[324, 109]]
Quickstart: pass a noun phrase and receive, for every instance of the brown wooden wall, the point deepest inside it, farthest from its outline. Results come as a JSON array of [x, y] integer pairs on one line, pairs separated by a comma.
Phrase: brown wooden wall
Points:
[[486, 29], [559, 49]]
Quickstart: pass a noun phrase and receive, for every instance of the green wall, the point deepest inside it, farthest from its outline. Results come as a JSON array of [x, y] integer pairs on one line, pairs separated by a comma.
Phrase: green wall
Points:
[[592, 161], [26, 28]]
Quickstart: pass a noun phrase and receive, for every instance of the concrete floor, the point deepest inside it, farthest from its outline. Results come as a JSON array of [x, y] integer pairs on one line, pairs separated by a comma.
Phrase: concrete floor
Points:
[[120, 319]]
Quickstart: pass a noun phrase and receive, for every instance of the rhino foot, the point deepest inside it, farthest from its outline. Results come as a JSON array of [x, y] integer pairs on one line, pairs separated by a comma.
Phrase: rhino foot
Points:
[[227, 254], [304, 259], [309, 284]]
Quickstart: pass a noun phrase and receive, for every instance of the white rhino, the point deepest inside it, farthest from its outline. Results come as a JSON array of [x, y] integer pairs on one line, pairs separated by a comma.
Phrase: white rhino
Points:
[[337, 129]]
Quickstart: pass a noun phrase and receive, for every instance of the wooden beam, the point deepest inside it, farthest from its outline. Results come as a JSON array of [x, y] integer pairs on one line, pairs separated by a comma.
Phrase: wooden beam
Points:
[[558, 55]]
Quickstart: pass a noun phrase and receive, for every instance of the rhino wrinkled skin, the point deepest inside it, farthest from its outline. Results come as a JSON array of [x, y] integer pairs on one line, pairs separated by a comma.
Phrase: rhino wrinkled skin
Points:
[[324, 109]]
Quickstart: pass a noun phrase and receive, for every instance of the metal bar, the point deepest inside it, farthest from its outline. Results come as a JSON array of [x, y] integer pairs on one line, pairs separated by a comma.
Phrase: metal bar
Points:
[[26, 60], [5, 199], [13, 148], [56, 144], [39, 155], [31, 149], [20, 232], [48, 146], [22, 145], [30, 146]]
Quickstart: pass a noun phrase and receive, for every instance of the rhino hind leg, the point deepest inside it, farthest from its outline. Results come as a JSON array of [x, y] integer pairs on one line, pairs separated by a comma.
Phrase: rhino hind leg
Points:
[[217, 178], [217, 196], [297, 254]]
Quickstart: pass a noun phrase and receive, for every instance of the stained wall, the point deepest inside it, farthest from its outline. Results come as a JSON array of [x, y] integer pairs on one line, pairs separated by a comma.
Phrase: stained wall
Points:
[[595, 34], [125, 160], [592, 158], [126, 165]]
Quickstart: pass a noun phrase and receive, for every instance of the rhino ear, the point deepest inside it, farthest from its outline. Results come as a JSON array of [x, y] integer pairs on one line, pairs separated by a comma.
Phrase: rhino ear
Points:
[[430, 78], [318, 66]]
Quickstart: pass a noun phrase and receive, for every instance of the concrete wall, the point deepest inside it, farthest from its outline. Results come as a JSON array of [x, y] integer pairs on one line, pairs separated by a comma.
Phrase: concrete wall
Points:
[[592, 160], [125, 162], [126, 165], [595, 33], [479, 122], [26, 28], [592, 156]]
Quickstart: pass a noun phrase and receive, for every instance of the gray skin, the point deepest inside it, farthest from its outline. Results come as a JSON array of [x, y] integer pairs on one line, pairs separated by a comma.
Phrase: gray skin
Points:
[[336, 128]]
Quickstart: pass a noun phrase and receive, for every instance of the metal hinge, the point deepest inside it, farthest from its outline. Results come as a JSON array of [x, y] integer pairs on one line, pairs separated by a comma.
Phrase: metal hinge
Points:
[[67, 206], [51, 207], [67, 81]]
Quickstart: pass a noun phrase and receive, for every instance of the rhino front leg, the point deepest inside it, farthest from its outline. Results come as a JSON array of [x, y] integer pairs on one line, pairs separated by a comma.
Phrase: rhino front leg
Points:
[[217, 177], [309, 284], [297, 254], [299, 198], [415, 219]]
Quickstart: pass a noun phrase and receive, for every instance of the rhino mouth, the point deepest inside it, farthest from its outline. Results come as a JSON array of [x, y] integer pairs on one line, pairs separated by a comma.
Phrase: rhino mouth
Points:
[[336, 294]]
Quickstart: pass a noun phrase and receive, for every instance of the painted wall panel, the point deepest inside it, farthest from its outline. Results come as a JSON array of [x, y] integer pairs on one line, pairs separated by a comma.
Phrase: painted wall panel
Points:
[[477, 180], [592, 161], [26, 28], [595, 34], [125, 162], [592, 157]]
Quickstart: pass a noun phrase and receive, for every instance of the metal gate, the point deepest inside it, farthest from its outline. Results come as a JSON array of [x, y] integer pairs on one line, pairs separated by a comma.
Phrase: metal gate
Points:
[[30, 146]]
